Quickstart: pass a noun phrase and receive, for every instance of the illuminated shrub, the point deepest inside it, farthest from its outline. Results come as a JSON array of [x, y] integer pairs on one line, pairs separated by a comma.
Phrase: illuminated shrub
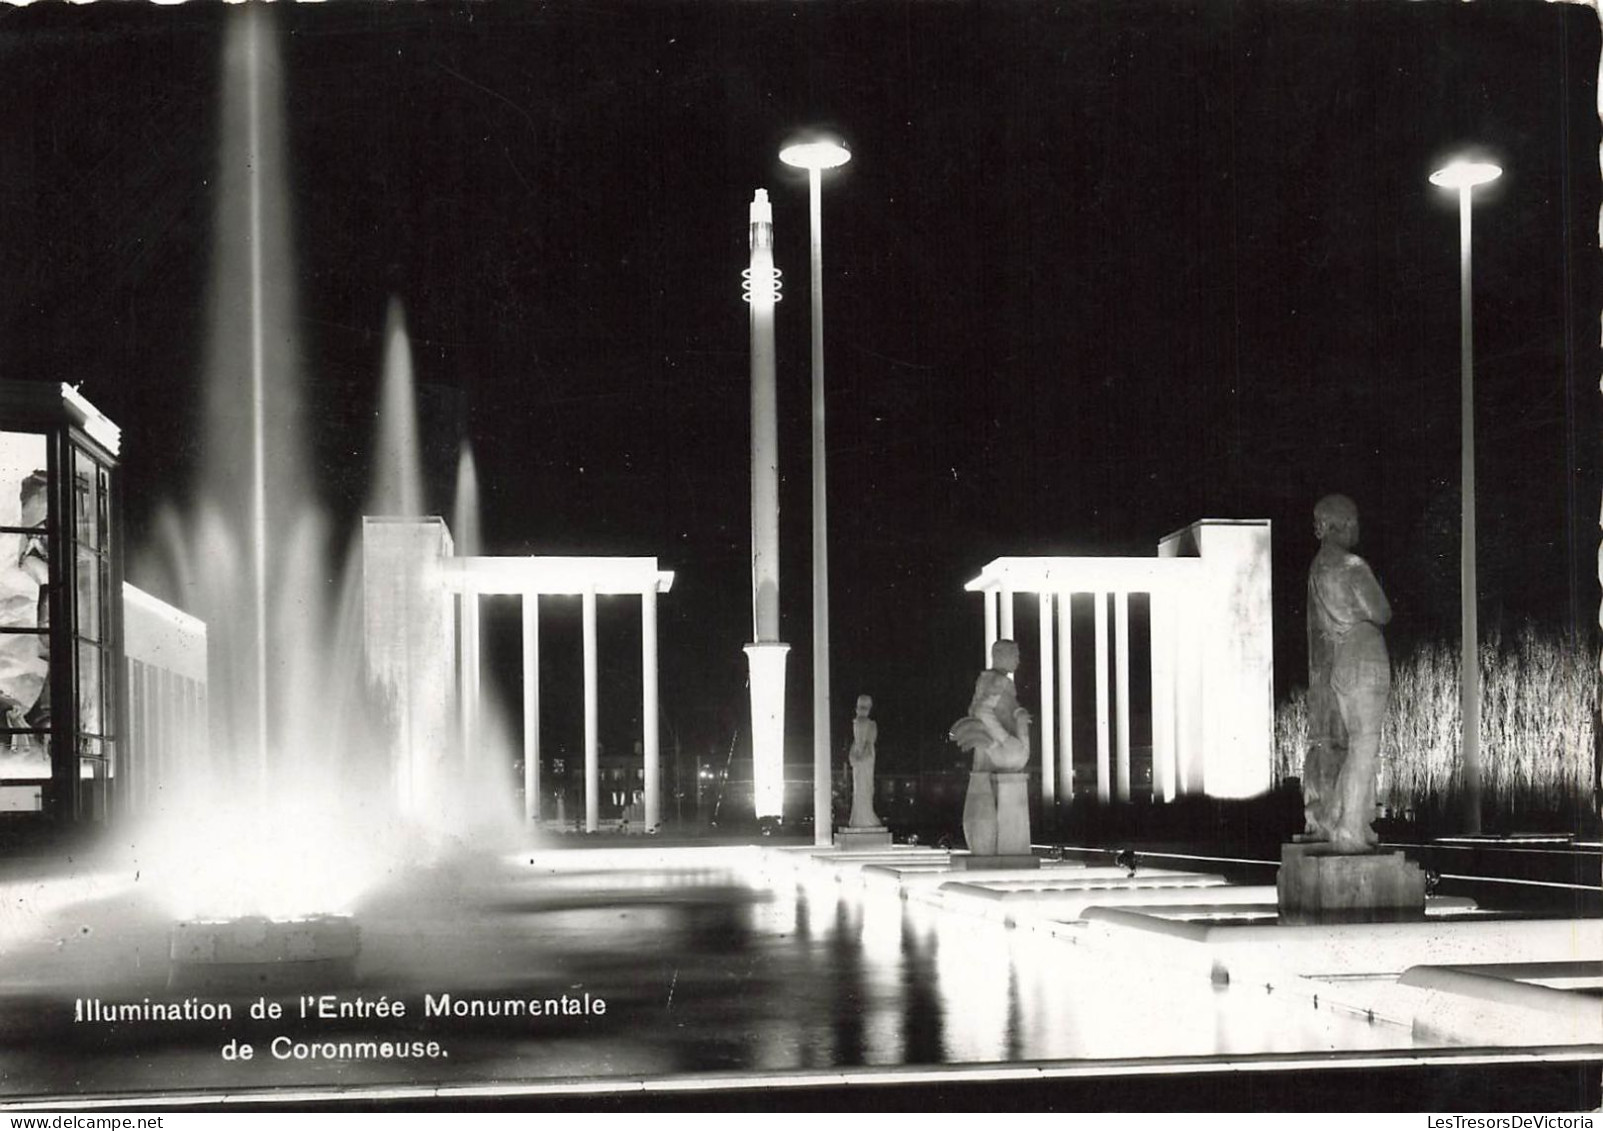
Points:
[[1537, 701]]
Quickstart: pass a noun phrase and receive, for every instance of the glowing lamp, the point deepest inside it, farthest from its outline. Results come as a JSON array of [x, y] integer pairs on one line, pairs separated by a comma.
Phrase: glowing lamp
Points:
[[814, 155], [819, 154], [1465, 174], [760, 286]]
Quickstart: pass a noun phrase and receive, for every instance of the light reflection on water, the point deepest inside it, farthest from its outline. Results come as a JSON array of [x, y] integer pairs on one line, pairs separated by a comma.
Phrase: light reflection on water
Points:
[[918, 985], [820, 976], [703, 971]]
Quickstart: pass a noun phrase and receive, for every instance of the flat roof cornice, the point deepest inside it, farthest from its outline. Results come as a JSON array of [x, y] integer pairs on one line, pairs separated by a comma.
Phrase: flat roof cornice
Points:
[[568, 576]]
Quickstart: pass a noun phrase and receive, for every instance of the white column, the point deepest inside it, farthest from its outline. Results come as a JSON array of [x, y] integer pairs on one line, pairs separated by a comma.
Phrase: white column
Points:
[[1163, 775], [1121, 648], [134, 745], [1065, 696], [469, 676], [1104, 786], [592, 747], [762, 292], [167, 725], [531, 706], [1005, 619], [1188, 712], [1048, 724], [648, 699], [991, 636]]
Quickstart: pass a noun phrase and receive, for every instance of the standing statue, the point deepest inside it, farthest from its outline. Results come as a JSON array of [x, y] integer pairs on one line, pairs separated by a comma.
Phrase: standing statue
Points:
[[1349, 677], [996, 812], [865, 731]]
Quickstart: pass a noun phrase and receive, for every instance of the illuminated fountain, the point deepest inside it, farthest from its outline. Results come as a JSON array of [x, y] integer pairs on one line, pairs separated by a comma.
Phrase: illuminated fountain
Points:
[[265, 858]]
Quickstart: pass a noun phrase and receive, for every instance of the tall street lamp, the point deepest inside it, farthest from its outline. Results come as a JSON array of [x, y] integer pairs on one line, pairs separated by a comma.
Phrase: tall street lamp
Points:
[[1464, 176], [815, 156]]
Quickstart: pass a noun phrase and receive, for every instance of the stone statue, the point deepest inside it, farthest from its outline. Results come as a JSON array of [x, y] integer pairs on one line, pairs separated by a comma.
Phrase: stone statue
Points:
[[996, 728], [865, 731], [1349, 677], [996, 812]]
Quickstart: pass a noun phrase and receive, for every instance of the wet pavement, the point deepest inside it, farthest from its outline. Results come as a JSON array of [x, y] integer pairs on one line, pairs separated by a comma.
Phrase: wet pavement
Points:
[[705, 965]]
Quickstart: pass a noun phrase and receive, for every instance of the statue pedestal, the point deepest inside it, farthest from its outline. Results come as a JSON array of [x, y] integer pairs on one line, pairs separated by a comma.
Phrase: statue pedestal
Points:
[[1012, 813], [862, 836], [1011, 861], [996, 820], [1319, 885], [979, 814]]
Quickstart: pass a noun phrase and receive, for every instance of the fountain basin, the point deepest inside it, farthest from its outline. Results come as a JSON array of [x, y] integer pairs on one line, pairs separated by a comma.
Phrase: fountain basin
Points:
[[253, 952]]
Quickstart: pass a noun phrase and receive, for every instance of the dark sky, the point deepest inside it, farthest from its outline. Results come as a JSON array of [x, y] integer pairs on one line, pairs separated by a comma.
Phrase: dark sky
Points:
[[1096, 270]]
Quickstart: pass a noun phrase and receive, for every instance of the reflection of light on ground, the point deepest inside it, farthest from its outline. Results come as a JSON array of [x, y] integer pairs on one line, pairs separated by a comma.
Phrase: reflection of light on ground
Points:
[[818, 898], [634, 860], [1046, 1012], [706, 974], [880, 937], [920, 931], [779, 916], [881, 932], [1007, 994], [974, 975]]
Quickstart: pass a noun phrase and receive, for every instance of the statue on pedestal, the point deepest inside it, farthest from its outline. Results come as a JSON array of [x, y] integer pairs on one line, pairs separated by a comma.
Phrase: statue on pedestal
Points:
[[996, 812], [865, 731], [1349, 678]]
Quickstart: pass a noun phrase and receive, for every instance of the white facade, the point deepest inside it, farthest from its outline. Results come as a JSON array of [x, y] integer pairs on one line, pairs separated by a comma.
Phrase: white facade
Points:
[[1229, 637], [164, 653], [409, 627], [1211, 648]]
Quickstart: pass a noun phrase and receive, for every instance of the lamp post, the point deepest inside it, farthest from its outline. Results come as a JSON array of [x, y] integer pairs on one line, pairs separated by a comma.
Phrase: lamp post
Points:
[[815, 156], [1464, 176], [765, 655]]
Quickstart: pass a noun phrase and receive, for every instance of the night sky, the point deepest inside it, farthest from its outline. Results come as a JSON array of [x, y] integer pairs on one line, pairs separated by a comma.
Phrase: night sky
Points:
[[1096, 270]]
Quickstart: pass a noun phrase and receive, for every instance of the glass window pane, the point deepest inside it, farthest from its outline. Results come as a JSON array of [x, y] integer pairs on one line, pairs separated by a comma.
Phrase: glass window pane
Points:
[[94, 777], [103, 514], [96, 750], [25, 756], [24, 589], [89, 589], [108, 697], [24, 680], [24, 580], [86, 508], [90, 713], [23, 456]]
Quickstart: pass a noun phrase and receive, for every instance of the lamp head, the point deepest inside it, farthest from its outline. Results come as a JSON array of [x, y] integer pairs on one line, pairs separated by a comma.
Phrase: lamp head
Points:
[[816, 153], [1465, 174]]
